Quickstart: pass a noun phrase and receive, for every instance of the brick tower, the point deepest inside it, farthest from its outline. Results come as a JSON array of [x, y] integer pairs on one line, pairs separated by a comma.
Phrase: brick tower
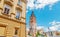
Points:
[[33, 25]]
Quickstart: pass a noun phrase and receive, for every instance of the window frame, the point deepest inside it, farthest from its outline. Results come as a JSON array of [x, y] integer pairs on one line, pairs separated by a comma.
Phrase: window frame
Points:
[[16, 31], [7, 9], [17, 14], [19, 2]]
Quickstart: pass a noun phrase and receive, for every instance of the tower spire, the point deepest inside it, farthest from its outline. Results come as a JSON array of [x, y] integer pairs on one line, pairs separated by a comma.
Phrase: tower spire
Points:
[[32, 14], [33, 25]]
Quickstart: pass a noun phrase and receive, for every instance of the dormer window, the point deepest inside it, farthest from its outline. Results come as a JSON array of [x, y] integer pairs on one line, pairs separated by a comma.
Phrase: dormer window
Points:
[[18, 14]]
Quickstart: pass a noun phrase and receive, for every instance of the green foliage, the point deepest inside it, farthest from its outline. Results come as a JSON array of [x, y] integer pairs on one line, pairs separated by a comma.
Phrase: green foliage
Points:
[[38, 34], [29, 34]]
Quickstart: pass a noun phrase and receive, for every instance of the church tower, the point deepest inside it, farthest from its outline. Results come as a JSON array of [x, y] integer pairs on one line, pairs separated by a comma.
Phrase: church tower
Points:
[[33, 25]]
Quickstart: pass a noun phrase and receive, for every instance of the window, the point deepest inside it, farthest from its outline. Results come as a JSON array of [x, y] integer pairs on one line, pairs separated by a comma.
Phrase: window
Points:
[[19, 2], [6, 10], [17, 14], [16, 31]]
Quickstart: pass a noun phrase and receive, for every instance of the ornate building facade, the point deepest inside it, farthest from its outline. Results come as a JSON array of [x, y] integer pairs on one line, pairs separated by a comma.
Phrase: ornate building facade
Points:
[[13, 18], [32, 25]]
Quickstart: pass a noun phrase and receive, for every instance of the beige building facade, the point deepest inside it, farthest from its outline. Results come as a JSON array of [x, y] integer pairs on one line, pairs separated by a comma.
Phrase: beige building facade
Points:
[[13, 18]]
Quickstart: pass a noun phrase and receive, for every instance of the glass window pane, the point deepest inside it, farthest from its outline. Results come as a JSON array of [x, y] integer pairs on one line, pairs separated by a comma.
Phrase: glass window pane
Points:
[[6, 10], [17, 15], [16, 32], [19, 2]]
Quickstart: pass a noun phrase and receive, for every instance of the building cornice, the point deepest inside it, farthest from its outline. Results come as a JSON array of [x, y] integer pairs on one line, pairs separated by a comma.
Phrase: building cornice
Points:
[[11, 19], [3, 24], [1, 8], [8, 2], [23, 18], [25, 1]]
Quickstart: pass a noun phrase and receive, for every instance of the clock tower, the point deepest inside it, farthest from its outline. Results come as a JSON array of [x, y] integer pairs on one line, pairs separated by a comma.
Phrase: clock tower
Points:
[[33, 25]]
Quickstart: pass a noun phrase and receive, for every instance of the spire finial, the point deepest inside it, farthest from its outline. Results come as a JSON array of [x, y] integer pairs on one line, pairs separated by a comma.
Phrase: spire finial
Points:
[[32, 13]]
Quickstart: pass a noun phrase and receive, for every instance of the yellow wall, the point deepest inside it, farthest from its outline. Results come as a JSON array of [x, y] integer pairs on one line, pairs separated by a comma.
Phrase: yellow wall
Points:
[[2, 31], [8, 23]]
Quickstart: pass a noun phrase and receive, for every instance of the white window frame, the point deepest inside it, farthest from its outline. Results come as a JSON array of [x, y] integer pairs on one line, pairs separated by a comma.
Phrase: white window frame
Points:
[[17, 14], [8, 7]]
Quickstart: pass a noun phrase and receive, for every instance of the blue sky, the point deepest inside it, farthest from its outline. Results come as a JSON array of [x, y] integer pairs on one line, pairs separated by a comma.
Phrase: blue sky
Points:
[[46, 16]]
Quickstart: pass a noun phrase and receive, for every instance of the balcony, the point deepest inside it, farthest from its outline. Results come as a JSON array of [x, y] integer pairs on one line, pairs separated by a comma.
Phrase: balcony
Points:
[[19, 6], [10, 2]]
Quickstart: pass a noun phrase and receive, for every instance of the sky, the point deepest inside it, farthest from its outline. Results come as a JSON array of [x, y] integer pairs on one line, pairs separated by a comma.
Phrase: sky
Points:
[[47, 13]]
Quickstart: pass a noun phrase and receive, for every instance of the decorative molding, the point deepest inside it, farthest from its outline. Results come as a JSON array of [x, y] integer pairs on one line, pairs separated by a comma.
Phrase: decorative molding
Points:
[[8, 2], [11, 19], [19, 7], [13, 13], [3, 24], [25, 1], [23, 18], [1, 8], [6, 14], [2, 36]]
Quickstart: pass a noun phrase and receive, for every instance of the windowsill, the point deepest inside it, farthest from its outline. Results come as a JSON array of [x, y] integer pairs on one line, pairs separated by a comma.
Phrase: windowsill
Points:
[[2, 36], [19, 5], [17, 18], [6, 14], [11, 0]]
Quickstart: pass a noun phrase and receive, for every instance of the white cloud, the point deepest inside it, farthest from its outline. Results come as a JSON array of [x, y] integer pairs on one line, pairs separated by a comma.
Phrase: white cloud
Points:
[[40, 27], [30, 3], [27, 29], [26, 11], [41, 3], [55, 25]]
